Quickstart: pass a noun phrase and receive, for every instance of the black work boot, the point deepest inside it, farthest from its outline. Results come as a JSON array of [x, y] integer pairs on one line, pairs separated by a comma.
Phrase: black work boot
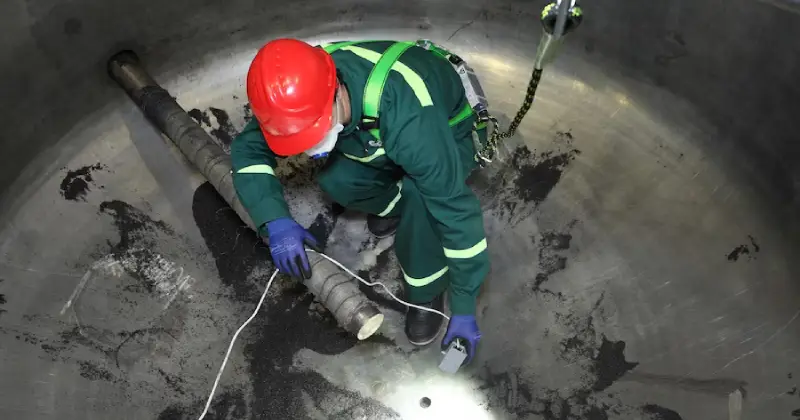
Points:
[[382, 227], [422, 327]]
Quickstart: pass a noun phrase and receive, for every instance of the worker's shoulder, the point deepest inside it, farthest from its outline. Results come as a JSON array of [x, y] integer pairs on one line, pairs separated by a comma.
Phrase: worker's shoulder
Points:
[[419, 75], [350, 49], [413, 57]]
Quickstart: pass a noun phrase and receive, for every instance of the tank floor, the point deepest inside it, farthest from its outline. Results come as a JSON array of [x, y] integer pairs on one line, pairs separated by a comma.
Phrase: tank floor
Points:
[[635, 275]]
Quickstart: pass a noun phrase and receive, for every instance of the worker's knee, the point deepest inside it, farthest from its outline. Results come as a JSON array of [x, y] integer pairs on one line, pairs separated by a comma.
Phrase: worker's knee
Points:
[[411, 199], [333, 186]]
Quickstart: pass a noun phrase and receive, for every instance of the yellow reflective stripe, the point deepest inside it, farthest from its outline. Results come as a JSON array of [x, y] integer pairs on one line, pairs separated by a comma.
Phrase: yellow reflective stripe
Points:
[[378, 153], [331, 47], [466, 253], [364, 53], [394, 202], [416, 83], [256, 169], [411, 77], [425, 280]]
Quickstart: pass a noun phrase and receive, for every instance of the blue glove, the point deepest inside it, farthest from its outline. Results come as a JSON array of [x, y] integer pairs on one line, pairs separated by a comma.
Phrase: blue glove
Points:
[[287, 241], [464, 327]]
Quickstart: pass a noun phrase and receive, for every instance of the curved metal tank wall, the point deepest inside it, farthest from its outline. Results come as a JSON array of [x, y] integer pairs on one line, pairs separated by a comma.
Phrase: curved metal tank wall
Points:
[[642, 225]]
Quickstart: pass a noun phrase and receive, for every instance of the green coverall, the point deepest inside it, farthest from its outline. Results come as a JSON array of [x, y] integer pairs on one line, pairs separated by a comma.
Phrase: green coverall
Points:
[[417, 170]]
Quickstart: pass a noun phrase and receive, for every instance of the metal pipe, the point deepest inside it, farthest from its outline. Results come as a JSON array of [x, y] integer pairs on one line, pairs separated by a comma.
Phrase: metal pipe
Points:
[[558, 19], [561, 20], [547, 50], [163, 111], [334, 289]]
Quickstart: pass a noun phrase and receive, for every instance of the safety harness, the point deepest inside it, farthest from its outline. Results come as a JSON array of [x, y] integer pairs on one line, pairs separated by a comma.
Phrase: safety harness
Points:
[[383, 65], [557, 18]]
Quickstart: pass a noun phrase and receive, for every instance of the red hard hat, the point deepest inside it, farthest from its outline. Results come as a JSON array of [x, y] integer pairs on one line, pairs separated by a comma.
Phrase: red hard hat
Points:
[[291, 87]]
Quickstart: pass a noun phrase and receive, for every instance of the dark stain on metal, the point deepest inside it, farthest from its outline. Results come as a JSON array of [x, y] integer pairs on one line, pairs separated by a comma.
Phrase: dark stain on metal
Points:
[[602, 366], [74, 337], [173, 381], [2, 299], [596, 413], [230, 404], [516, 189], [285, 329], [136, 250], [282, 329], [539, 175], [298, 171], [146, 335], [555, 240], [580, 345], [201, 117], [75, 184], [248, 112], [796, 413], [225, 131], [425, 402], [745, 250], [658, 412], [61, 346], [132, 224], [94, 372], [753, 242], [607, 362], [610, 364], [792, 391], [235, 247], [174, 412], [737, 252], [524, 398], [677, 38], [551, 244]]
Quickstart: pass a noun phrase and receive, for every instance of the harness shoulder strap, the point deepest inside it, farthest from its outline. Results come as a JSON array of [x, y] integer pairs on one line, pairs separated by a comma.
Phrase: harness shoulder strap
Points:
[[377, 81]]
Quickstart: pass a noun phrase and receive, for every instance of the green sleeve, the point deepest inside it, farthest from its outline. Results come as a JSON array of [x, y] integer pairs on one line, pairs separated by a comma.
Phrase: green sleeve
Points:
[[422, 143], [258, 188]]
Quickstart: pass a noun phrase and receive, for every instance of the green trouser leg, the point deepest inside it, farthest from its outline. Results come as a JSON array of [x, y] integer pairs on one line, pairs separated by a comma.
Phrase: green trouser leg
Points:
[[363, 188], [417, 244], [360, 187], [419, 249]]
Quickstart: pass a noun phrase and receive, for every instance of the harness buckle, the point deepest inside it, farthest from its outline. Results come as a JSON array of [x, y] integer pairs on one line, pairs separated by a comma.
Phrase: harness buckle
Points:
[[369, 123]]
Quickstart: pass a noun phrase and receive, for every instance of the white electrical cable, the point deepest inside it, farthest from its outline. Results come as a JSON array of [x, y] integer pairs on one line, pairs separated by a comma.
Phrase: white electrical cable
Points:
[[261, 302], [377, 283], [230, 347]]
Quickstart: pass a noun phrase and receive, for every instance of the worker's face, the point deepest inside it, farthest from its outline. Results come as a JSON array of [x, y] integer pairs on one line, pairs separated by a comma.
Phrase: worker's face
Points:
[[324, 147]]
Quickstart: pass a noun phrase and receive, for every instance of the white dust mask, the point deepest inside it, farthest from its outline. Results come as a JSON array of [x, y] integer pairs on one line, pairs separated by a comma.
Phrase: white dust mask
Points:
[[321, 149], [324, 147]]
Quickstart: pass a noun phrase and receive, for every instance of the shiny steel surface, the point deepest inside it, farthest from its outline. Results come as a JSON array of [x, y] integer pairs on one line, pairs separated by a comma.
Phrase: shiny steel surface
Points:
[[644, 252]]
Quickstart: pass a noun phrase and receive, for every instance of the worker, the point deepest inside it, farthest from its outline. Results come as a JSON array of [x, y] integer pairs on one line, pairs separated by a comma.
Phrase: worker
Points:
[[393, 122]]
